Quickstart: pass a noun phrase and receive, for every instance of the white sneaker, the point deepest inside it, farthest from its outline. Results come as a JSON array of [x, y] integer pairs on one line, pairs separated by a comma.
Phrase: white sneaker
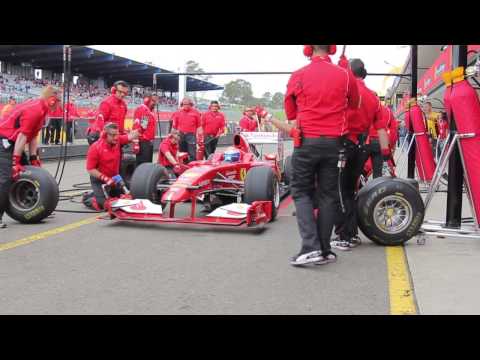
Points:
[[307, 258], [327, 258], [355, 241], [2, 225], [339, 244]]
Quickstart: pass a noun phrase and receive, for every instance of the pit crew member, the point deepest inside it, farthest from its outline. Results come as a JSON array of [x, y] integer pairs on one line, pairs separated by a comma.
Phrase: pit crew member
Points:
[[112, 109], [17, 129], [187, 121], [369, 115], [213, 123], [103, 161], [317, 99], [248, 123], [144, 122], [168, 154]]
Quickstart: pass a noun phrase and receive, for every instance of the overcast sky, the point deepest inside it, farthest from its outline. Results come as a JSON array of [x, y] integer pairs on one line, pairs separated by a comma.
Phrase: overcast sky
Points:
[[231, 58]]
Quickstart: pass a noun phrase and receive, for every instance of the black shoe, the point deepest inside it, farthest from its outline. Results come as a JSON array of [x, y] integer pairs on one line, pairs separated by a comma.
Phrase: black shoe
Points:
[[2, 225]]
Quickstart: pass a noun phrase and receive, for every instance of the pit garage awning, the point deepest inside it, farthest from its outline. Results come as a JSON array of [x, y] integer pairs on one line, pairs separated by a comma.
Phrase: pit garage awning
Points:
[[93, 63]]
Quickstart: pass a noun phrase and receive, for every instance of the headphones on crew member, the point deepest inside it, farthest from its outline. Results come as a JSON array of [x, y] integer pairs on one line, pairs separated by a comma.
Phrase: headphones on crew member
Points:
[[308, 50], [113, 89]]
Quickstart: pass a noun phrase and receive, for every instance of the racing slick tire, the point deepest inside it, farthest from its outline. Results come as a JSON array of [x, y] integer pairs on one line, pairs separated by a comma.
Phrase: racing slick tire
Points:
[[144, 182], [287, 170], [33, 196], [261, 184], [390, 211], [127, 167]]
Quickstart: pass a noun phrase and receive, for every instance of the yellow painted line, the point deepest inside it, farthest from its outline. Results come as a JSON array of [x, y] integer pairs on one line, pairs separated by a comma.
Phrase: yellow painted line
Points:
[[400, 287], [46, 234]]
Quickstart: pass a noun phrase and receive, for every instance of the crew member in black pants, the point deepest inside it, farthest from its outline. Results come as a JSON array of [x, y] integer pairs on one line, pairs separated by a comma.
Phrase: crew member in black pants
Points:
[[317, 98]]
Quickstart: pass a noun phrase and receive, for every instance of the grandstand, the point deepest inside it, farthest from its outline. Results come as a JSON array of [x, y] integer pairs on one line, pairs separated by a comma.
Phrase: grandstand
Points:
[[25, 69]]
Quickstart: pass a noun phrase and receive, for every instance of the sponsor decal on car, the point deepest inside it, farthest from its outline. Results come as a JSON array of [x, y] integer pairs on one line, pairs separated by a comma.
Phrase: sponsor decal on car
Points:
[[243, 173]]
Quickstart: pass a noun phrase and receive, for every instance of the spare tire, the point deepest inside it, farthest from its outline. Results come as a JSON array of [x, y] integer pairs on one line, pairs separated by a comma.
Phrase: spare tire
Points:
[[144, 182], [127, 167], [390, 211], [261, 184], [32, 197]]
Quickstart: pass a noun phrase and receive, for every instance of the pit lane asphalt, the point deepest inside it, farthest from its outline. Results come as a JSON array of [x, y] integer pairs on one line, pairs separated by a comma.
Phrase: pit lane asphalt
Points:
[[109, 267]]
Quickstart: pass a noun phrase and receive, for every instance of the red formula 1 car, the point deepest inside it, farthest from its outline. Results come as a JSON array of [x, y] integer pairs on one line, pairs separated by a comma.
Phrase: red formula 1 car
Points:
[[244, 192]]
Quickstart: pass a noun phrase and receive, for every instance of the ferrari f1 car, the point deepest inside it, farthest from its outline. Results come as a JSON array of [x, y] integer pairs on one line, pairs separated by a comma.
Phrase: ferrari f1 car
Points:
[[242, 186]]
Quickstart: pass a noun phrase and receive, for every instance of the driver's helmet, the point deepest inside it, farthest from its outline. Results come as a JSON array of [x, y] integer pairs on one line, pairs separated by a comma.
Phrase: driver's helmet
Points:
[[231, 155]]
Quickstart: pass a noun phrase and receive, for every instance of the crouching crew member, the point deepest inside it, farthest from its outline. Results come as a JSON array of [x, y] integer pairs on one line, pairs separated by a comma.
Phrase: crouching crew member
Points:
[[144, 122], [213, 123], [112, 110], [103, 161], [187, 121], [369, 115], [17, 129], [168, 154], [248, 123], [317, 98]]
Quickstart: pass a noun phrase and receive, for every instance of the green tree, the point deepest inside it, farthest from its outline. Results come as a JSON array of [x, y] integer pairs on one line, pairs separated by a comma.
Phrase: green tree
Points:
[[238, 92], [194, 67], [277, 100], [266, 99]]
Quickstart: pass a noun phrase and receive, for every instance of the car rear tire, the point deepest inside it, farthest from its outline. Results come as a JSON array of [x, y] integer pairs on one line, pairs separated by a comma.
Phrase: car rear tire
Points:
[[144, 182], [32, 197], [390, 211], [261, 184], [287, 170]]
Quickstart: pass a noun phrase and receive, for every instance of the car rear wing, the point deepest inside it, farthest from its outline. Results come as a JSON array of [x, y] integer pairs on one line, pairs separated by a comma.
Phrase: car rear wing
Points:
[[255, 138]]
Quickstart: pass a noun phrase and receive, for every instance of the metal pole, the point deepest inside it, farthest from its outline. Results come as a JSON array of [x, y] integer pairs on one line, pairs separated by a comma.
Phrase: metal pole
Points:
[[411, 153], [455, 169]]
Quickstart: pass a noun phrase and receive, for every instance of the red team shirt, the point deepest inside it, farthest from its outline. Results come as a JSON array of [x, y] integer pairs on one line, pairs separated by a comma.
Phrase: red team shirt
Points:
[[442, 129], [72, 109], [56, 113], [165, 147], [392, 125], [247, 124], [113, 110], [186, 121], [318, 96], [27, 118], [105, 157], [369, 117], [213, 122], [144, 121]]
